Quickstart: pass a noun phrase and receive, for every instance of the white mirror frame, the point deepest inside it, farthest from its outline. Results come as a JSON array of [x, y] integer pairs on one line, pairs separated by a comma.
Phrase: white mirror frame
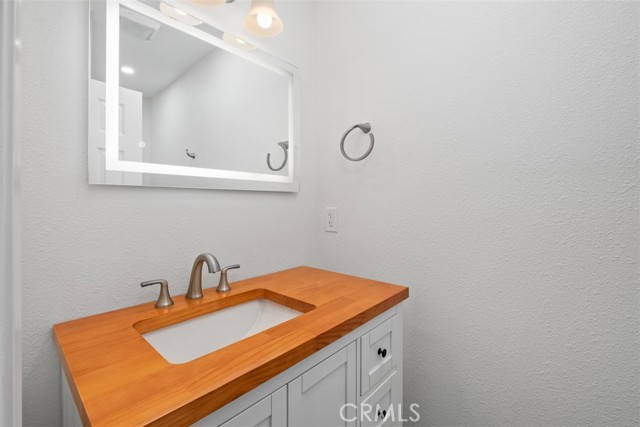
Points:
[[216, 178]]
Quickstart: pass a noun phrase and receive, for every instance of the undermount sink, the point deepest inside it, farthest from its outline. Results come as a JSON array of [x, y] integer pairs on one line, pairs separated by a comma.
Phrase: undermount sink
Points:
[[188, 340]]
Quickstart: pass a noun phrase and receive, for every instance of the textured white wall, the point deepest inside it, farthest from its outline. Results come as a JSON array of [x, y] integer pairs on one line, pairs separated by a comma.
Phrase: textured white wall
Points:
[[503, 189], [86, 248]]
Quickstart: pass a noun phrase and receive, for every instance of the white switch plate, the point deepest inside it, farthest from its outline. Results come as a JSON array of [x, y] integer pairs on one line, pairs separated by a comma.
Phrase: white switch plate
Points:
[[331, 220]]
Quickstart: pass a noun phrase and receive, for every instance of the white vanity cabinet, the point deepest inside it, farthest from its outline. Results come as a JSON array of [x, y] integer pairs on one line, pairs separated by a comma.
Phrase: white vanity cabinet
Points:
[[381, 375], [356, 381], [320, 397], [313, 399], [343, 385], [268, 412]]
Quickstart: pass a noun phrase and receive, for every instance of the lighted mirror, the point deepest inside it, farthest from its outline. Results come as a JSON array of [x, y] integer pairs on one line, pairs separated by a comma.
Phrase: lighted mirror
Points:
[[174, 104]]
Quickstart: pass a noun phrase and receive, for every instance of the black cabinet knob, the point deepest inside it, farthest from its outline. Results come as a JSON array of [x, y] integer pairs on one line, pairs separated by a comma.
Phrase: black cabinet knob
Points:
[[382, 414], [382, 352]]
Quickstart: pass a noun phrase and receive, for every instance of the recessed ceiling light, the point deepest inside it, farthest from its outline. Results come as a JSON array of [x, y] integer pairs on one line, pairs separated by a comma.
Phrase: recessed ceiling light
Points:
[[127, 70]]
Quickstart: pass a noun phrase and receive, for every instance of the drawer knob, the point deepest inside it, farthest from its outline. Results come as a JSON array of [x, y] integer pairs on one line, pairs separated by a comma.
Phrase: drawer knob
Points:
[[382, 352], [382, 414]]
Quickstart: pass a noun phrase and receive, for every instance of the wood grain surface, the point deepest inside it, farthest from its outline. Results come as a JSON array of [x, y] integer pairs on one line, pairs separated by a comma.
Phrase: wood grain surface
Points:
[[118, 379]]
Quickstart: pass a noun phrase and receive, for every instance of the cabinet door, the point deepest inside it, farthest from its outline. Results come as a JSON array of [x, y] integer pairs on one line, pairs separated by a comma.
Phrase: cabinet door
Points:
[[268, 412], [326, 394]]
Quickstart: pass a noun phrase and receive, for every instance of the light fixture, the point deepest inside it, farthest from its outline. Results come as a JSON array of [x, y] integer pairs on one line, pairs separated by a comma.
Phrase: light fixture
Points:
[[209, 2], [127, 70], [262, 19], [237, 42], [179, 15]]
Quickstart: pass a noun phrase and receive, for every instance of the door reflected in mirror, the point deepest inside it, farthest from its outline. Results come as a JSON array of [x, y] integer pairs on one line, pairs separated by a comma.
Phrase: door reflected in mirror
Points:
[[186, 109]]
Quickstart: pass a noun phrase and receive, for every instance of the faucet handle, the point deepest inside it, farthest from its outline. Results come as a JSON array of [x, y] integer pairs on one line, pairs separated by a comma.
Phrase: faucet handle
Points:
[[164, 300], [223, 284]]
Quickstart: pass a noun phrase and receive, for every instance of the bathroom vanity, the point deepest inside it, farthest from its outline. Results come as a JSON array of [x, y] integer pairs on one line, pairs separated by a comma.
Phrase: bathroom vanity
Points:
[[339, 362]]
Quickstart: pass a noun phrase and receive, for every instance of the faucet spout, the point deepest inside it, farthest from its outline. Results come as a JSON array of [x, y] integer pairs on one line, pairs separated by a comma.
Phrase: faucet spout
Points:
[[195, 282]]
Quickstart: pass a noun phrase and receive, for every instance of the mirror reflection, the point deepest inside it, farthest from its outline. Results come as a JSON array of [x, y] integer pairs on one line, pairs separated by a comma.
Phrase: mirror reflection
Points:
[[184, 101]]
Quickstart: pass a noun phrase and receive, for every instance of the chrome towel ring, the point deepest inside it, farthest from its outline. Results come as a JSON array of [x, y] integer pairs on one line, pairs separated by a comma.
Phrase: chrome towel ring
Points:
[[364, 127], [285, 147]]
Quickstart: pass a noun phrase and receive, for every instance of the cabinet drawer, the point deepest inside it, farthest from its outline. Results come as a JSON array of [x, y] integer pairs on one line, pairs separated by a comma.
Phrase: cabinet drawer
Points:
[[381, 408], [378, 348]]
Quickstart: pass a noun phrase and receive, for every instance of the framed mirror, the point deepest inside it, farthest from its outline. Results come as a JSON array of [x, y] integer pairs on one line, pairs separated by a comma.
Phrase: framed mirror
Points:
[[175, 104]]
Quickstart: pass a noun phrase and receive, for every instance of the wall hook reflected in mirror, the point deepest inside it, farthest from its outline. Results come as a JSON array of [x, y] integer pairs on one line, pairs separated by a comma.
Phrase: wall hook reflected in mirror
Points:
[[364, 127], [285, 147], [192, 155]]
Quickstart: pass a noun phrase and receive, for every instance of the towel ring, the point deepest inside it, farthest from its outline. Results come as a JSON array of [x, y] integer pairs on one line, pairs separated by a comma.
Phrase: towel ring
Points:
[[285, 147], [364, 127]]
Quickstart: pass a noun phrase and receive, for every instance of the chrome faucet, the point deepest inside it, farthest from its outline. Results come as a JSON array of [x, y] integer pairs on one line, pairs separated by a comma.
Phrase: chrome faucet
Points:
[[195, 282]]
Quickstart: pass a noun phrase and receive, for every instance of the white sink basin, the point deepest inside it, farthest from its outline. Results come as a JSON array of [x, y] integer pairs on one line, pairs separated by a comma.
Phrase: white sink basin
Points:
[[188, 340]]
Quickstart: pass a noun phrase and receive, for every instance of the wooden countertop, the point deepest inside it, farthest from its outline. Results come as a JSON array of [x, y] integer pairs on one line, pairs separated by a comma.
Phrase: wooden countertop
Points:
[[118, 379]]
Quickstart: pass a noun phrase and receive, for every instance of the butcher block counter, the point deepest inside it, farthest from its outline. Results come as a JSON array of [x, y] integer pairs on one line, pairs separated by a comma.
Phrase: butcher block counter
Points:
[[118, 379]]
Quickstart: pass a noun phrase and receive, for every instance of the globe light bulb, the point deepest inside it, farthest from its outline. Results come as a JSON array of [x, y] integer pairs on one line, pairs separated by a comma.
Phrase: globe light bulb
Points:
[[264, 20]]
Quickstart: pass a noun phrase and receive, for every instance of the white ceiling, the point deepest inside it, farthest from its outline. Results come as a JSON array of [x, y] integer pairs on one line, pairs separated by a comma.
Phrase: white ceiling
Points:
[[157, 62]]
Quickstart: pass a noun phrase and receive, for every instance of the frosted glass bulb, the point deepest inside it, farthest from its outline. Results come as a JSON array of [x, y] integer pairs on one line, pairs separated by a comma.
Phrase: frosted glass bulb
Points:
[[264, 20]]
